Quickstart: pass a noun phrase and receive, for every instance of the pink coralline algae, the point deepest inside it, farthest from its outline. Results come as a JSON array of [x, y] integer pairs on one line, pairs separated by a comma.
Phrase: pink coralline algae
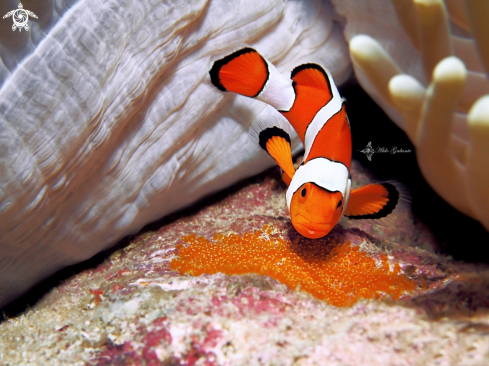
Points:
[[151, 344]]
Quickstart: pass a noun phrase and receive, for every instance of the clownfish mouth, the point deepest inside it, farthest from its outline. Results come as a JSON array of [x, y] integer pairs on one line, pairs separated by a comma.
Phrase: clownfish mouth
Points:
[[310, 229]]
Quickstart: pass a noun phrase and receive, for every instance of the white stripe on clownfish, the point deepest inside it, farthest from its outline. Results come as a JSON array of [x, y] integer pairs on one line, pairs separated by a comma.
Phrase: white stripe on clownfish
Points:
[[323, 116], [323, 172], [277, 91]]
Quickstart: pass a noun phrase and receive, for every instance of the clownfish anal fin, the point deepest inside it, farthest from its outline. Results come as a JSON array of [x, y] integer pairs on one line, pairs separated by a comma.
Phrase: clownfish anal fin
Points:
[[273, 135], [244, 72], [381, 203]]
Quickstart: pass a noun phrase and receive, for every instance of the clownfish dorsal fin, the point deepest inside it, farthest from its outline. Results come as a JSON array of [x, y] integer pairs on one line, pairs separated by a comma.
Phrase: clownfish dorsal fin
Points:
[[313, 76], [380, 203], [272, 132], [312, 88]]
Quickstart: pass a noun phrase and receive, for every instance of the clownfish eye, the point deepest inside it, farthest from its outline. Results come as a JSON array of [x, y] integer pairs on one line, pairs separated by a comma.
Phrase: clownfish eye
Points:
[[339, 204], [303, 192]]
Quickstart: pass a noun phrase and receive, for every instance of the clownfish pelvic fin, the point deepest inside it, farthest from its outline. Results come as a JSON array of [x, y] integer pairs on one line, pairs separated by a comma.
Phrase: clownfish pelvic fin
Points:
[[379, 203], [272, 132]]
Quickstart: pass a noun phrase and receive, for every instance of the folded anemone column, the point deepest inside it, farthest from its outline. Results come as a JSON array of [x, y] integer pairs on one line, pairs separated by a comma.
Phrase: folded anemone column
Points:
[[112, 121], [445, 108]]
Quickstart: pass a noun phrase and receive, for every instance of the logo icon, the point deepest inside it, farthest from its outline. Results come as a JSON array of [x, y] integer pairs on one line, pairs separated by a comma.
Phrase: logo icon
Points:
[[20, 17], [369, 151]]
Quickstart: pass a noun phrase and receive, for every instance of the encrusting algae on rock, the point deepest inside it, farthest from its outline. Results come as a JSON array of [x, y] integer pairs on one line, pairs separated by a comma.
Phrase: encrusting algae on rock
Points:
[[336, 272]]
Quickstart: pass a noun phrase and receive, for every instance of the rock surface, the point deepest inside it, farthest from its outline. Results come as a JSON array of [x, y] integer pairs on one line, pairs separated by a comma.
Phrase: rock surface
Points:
[[133, 309]]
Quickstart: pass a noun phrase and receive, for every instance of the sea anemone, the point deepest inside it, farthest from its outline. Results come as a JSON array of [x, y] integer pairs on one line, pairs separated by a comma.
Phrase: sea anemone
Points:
[[108, 120], [436, 91]]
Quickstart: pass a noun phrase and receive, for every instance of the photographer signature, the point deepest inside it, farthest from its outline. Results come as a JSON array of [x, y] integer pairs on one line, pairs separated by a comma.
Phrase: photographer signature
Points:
[[369, 150]]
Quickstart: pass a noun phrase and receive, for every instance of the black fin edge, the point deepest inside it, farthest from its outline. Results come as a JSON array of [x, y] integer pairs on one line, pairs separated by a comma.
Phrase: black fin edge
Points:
[[270, 132]]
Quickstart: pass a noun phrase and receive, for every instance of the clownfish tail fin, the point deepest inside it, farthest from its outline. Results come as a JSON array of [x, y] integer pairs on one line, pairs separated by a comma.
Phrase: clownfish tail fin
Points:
[[273, 135], [379, 203], [248, 73], [244, 72]]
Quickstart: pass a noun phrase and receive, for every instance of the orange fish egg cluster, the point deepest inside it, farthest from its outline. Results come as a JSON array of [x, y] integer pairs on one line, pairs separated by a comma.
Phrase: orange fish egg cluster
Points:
[[336, 272]]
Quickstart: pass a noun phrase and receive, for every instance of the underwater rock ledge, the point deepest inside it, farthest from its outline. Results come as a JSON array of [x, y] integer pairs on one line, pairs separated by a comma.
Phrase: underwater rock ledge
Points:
[[134, 309]]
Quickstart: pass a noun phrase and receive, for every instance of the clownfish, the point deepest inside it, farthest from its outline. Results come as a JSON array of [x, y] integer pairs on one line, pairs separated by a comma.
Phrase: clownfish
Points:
[[319, 191]]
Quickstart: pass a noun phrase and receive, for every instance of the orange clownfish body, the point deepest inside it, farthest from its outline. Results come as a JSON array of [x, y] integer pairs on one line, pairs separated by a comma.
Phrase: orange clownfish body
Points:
[[319, 191]]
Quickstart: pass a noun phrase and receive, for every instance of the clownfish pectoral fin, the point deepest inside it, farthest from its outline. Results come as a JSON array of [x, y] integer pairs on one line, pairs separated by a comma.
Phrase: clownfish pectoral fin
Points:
[[380, 203], [273, 135]]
